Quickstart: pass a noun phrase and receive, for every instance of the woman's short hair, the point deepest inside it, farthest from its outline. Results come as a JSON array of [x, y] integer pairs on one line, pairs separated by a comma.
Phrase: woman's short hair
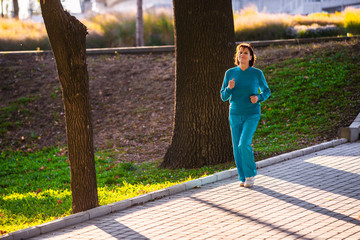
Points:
[[248, 46]]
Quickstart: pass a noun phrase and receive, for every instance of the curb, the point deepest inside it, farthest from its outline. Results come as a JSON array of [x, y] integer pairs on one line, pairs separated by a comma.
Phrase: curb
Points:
[[352, 132], [299, 153], [121, 205], [171, 48]]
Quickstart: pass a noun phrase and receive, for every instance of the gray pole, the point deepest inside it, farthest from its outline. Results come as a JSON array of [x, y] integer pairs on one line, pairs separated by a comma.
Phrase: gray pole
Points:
[[139, 25]]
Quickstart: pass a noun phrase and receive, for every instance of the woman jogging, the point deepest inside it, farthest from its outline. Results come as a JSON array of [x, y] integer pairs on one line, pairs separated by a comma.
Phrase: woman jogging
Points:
[[241, 86]]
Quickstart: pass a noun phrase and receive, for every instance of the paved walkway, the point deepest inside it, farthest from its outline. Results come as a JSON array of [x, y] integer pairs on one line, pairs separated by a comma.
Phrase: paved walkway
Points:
[[316, 196]]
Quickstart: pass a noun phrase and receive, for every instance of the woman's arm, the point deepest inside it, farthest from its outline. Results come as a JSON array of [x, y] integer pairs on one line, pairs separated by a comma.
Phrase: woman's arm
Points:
[[264, 88], [225, 90]]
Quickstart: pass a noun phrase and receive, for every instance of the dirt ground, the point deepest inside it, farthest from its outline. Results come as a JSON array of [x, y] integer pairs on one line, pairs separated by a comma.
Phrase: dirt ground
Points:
[[132, 99]]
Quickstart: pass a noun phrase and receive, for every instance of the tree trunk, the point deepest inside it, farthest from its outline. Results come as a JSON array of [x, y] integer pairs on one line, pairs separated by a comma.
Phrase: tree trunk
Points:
[[67, 37], [16, 9], [204, 49], [139, 24]]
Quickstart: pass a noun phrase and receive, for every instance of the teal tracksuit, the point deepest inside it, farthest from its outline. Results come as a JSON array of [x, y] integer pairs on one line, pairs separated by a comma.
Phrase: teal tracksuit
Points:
[[244, 115]]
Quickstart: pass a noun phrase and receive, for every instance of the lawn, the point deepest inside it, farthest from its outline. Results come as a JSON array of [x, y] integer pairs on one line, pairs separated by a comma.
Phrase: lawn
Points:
[[35, 187], [311, 97]]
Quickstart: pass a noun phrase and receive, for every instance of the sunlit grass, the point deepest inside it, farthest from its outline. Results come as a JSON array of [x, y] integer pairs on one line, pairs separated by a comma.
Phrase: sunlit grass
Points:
[[35, 187]]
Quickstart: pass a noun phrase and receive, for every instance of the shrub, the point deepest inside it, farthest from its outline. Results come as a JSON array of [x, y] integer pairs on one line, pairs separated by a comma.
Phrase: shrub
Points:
[[112, 30], [158, 28], [352, 20], [252, 25], [118, 29], [321, 19], [315, 31], [268, 32], [22, 35]]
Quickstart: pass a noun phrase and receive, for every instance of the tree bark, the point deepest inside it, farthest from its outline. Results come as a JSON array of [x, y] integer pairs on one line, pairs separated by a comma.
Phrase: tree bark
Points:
[[16, 9], [67, 37], [204, 50], [139, 24]]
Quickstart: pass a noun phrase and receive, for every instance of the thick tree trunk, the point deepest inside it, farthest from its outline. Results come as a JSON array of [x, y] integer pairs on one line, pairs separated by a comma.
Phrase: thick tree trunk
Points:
[[139, 24], [67, 38], [16, 9], [205, 46]]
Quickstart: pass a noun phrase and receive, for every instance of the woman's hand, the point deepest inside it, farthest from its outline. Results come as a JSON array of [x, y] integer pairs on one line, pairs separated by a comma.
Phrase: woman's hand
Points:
[[254, 99], [231, 83]]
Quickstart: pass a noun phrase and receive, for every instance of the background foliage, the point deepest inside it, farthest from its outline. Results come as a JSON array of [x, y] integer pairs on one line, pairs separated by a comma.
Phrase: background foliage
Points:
[[118, 30]]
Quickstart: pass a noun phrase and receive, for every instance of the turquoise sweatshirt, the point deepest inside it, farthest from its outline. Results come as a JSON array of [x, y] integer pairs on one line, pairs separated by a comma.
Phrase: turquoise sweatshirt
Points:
[[247, 83]]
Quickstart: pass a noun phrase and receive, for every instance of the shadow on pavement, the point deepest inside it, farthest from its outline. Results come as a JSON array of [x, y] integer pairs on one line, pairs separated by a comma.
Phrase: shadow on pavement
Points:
[[119, 230], [307, 172], [306, 205], [243, 216]]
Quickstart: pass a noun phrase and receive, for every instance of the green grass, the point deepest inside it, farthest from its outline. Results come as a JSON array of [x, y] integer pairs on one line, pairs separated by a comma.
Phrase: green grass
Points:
[[17, 107], [311, 96], [35, 187]]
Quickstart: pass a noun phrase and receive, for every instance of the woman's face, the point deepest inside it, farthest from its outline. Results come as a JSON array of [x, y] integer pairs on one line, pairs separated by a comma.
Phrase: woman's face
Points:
[[244, 56]]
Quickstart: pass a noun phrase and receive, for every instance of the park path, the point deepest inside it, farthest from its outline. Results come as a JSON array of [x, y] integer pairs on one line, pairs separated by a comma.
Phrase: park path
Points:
[[315, 196]]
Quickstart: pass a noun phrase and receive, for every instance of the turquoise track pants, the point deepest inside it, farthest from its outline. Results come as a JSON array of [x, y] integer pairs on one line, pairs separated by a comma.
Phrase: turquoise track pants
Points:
[[242, 131]]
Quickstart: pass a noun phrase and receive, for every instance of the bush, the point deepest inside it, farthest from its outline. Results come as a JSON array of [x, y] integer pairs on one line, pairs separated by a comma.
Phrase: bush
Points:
[[321, 19], [352, 20], [253, 25], [268, 32], [24, 44], [22, 35], [118, 29], [158, 29], [111, 30], [315, 31]]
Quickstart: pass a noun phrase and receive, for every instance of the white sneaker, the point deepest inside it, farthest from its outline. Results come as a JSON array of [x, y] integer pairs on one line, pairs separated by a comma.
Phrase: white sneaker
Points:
[[249, 182]]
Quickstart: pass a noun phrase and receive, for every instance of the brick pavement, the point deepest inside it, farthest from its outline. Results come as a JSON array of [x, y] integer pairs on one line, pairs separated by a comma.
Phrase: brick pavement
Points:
[[315, 196]]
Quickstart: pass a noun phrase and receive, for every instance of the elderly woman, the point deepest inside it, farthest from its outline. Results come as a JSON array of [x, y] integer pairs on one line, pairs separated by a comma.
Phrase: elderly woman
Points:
[[241, 85]]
